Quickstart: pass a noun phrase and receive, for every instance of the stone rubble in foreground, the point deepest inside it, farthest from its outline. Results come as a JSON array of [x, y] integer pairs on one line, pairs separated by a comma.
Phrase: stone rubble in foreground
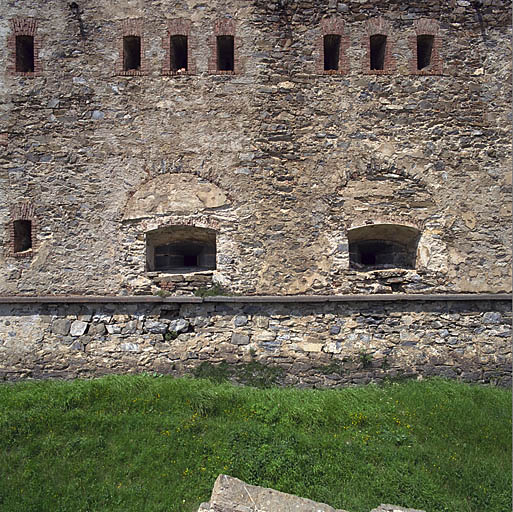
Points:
[[233, 495]]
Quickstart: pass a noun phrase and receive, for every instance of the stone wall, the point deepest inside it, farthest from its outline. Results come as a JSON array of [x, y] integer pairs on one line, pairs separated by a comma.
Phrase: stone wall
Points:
[[316, 341], [279, 157]]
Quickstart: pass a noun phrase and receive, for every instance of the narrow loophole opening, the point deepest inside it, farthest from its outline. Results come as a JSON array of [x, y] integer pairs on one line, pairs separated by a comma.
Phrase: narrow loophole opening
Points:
[[378, 45], [331, 52], [424, 51], [22, 235], [25, 54], [178, 45], [131, 53], [225, 53]]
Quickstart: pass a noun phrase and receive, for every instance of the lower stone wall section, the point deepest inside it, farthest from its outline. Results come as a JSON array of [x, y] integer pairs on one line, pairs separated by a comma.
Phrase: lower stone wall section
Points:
[[308, 344]]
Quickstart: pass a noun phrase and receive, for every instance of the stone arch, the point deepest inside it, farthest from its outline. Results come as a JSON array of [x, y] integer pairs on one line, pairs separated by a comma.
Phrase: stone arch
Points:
[[173, 194]]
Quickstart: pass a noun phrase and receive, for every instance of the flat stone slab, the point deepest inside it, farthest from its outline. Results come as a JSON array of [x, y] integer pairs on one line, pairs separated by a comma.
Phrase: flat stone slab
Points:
[[233, 495]]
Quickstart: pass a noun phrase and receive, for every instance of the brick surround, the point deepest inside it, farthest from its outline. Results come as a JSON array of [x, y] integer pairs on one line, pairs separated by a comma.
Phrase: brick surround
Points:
[[179, 27], [23, 27], [333, 26], [21, 211], [429, 27], [223, 27], [378, 26], [131, 27]]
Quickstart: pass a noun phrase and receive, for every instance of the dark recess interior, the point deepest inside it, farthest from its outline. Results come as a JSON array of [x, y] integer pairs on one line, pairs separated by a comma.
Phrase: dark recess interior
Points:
[[331, 52], [424, 51], [225, 53], [22, 235], [178, 52], [131, 53], [25, 54], [376, 254], [378, 44], [185, 255]]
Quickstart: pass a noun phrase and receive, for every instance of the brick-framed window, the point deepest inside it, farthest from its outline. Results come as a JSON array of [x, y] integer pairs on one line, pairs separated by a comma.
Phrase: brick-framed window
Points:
[[224, 51], [24, 45], [332, 47], [378, 45], [425, 48], [179, 46], [131, 47], [22, 227]]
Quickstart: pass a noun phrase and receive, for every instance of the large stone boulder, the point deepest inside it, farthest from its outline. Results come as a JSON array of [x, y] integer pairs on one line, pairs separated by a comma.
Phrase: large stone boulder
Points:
[[233, 495]]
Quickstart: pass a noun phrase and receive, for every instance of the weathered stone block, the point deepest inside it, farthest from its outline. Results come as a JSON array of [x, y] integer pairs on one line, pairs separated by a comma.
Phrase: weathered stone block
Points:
[[240, 339], [179, 325], [78, 328], [240, 320], [61, 326], [154, 327], [97, 329]]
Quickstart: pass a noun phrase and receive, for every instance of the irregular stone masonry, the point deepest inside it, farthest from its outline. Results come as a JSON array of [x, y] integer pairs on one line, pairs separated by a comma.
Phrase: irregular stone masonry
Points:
[[310, 344], [281, 158]]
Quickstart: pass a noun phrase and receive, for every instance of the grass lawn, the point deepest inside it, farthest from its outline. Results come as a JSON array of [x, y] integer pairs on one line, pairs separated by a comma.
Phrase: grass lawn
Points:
[[153, 443]]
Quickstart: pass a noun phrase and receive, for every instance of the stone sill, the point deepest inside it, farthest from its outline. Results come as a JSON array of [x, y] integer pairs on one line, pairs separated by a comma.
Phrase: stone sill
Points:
[[142, 299]]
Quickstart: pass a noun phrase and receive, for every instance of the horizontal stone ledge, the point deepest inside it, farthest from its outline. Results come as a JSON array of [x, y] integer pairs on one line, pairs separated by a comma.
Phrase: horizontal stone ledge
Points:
[[145, 299], [96, 299]]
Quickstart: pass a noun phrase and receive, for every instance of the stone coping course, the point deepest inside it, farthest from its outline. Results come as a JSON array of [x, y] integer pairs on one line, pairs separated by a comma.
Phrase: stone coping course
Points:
[[141, 299]]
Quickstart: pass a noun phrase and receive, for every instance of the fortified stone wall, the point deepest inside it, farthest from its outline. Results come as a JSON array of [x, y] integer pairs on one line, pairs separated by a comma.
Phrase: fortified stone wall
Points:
[[280, 158], [318, 342]]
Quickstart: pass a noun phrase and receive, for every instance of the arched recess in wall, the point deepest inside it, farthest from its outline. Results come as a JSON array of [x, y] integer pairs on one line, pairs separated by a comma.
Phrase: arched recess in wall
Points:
[[381, 246], [177, 224]]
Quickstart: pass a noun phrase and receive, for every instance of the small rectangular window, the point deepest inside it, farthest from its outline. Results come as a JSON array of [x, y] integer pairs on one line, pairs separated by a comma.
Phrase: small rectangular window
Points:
[[378, 45], [331, 52], [225, 53], [25, 54], [131, 53], [178, 46], [22, 235], [424, 51]]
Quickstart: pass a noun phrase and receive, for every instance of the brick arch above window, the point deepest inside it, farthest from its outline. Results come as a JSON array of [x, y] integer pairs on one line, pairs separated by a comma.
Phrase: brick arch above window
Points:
[[426, 39], [334, 39], [22, 229], [131, 31], [24, 37], [223, 28], [378, 29], [182, 28]]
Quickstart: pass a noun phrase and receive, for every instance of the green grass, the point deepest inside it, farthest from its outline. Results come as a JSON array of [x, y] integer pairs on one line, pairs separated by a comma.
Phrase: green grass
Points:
[[133, 443]]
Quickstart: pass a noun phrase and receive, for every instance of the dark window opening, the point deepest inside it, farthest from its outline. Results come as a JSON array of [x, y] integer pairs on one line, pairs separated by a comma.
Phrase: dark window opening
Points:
[[25, 54], [380, 254], [424, 51], [184, 255], [131, 53], [22, 235], [378, 45], [178, 45], [225, 53], [381, 246], [331, 52], [181, 249]]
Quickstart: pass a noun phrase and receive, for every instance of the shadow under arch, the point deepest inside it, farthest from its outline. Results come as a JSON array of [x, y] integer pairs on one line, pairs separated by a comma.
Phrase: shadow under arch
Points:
[[181, 249], [382, 246]]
